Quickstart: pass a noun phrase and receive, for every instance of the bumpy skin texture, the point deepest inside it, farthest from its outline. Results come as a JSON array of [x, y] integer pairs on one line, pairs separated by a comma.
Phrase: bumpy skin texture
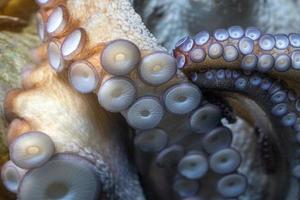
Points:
[[271, 152], [190, 19], [97, 136], [81, 131], [23, 104], [160, 89], [272, 95]]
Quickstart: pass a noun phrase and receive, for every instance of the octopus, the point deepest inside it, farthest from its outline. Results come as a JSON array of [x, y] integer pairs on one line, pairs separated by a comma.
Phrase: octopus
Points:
[[109, 113]]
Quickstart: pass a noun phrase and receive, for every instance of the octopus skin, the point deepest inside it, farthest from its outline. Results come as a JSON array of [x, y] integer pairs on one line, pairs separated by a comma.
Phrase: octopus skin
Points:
[[142, 96], [181, 144], [248, 67], [84, 138]]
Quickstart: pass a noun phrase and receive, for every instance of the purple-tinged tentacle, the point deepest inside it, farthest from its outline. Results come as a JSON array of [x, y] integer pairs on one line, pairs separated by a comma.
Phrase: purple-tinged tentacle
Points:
[[236, 48], [277, 120]]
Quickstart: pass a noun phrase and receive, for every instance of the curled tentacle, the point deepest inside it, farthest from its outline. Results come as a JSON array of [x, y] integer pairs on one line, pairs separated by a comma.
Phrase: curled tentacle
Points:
[[83, 133], [132, 77], [280, 122], [236, 48]]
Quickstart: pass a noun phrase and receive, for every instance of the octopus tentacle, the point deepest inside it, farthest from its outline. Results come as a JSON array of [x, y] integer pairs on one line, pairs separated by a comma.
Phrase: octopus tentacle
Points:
[[90, 141], [236, 48], [251, 70], [79, 36], [134, 76], [277, 152], [185, 165], [270, 93]]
